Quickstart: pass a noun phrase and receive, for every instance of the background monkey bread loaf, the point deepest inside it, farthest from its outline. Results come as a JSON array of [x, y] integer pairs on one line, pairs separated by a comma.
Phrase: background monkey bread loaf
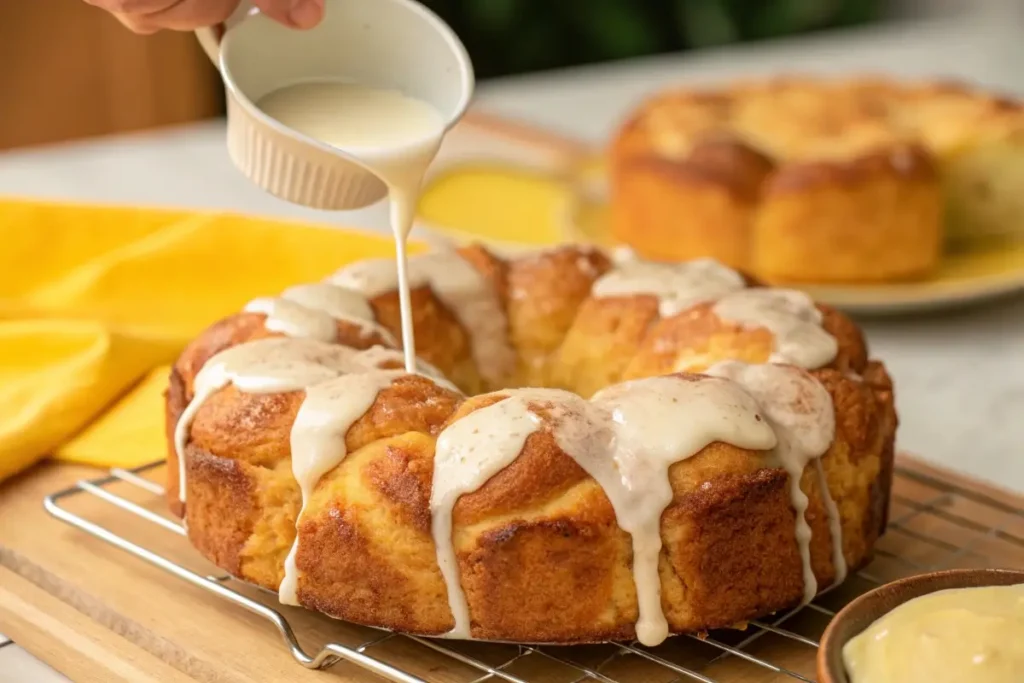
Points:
[[811, 180], [593, 449]]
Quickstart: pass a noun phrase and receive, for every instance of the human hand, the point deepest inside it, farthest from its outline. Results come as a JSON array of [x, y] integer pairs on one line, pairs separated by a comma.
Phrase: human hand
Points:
[[149, 16]]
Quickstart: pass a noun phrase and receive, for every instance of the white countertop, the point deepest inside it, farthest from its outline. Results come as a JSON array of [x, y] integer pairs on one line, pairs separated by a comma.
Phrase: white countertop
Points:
[[18, 666], [959, 376]]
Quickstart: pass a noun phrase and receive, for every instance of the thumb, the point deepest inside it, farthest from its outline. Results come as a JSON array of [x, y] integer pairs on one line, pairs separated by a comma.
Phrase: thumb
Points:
[[300, 14]]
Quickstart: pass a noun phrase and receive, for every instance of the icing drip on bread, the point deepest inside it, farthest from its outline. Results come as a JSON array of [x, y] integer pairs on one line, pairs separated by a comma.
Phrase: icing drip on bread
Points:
[[835, 524], [318, 443], [341, 384], [799, 410], [263, 366], [790, 316], [656, 423], [460, 287], [677, 286], [273, 365], [387, 359], [626, 438], [311, 310], [468, 453]]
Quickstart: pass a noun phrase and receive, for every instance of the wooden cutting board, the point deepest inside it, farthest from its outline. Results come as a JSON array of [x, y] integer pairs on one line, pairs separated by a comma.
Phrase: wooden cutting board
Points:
[[96, 613]]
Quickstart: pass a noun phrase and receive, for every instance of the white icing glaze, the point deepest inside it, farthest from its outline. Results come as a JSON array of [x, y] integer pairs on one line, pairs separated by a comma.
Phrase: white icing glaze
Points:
[[835, 525], [318, 442], [341, 384], [404, 290], [261, 366], [622, 254], [293, 319], [468, 453], [380, 357], [393, 135], [271, 365], [657, 422], [790, 316], [678, 286], [626, 438], [460, 287], [311, 310], [363, 120], [799, 410]]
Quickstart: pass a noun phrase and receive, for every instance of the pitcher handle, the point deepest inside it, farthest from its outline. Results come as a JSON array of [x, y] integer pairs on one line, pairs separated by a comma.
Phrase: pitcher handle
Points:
[[210, 37]]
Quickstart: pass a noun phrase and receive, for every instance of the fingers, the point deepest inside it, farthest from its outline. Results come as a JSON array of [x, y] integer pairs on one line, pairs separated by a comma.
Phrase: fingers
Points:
[[295, 13], [126, 10], [148, 16], [130, 7]]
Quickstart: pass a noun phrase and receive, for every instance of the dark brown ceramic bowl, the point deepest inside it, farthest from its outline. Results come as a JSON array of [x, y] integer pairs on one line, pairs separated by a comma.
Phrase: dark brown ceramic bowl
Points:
[[863, 611]]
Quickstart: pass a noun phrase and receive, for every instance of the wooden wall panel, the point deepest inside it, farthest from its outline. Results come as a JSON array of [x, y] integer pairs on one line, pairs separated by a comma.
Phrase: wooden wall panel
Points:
[[69, 70]]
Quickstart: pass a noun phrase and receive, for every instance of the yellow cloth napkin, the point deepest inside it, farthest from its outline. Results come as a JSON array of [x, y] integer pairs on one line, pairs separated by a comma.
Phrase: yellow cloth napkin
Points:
[[95, 302]]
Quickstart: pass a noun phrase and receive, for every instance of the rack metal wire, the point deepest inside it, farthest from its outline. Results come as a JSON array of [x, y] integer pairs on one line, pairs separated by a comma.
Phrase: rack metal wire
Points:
[[934, 525]]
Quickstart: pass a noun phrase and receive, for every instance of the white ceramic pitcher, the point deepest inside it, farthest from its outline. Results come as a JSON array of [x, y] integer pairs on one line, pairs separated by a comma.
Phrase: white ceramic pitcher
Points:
[[383, 43]]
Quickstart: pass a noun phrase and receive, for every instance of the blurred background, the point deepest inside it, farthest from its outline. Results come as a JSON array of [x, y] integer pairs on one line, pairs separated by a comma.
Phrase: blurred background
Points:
[[70, 71]]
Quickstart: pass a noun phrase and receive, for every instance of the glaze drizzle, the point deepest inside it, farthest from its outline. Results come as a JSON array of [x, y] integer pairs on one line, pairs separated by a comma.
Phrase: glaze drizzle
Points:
[[272, 365], [311, 310], [460, 287], [626, 437], [678, 286]]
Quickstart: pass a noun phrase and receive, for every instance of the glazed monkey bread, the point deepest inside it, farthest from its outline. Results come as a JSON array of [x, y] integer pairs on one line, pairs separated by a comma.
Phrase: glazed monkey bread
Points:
[[696, 450], [804, 179]]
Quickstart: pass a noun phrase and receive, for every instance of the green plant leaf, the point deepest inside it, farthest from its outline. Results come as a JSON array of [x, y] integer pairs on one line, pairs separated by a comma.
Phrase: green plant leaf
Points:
[[615, 29], [492, 16], [786, 17], [706, 22]]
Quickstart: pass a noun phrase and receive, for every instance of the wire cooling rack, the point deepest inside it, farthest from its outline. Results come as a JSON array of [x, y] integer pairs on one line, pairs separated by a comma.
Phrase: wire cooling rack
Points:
[[934, 525]]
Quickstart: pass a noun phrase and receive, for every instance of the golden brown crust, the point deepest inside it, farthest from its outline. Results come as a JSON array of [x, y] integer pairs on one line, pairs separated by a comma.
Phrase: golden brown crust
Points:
[[223, 509], [545, 291], [876, 218], [243, 327], [804, 179], [375, 530], [230, 331], [493, 269], [540, 555], [256, 428], [442, 340], [903, 162], [715, 162], [731, 551], [697, 339], [175, 401], [877, 378], [664, 217]]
